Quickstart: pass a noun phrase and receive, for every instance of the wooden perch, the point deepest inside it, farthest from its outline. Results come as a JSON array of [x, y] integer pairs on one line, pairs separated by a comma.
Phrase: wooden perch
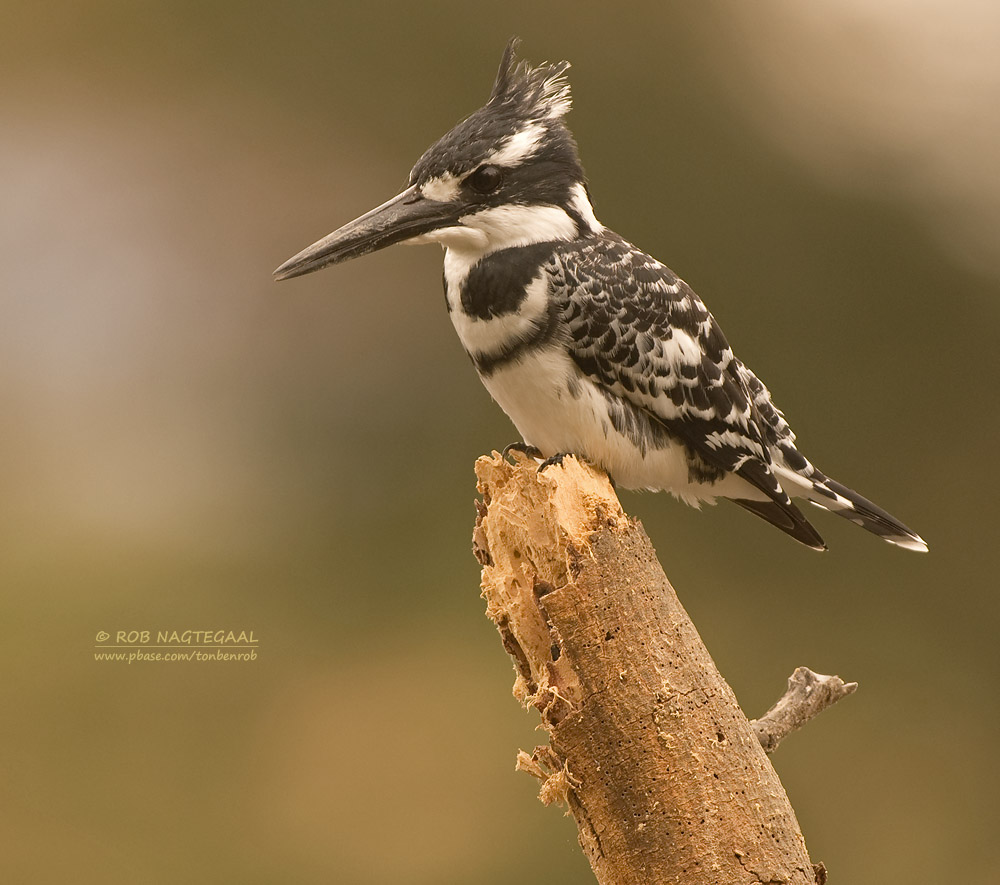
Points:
[[648, 748]]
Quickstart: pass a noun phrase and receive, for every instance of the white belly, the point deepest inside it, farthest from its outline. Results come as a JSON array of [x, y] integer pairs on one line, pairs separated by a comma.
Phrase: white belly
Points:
[[534, 391]]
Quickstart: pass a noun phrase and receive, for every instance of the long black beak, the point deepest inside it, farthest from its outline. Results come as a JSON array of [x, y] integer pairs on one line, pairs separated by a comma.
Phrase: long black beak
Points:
[[406, 215]]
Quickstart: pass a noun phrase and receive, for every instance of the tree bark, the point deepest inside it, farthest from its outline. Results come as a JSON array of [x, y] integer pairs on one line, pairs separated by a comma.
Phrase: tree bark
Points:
[[648, 747]]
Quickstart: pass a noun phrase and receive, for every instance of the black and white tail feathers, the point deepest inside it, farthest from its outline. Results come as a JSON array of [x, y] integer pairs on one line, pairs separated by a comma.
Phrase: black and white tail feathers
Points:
[[802, 480], [787, 517], [838, 498]]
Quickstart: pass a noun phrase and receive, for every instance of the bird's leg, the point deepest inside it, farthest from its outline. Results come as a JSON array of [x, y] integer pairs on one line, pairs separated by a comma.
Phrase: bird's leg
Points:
[[523, 448]]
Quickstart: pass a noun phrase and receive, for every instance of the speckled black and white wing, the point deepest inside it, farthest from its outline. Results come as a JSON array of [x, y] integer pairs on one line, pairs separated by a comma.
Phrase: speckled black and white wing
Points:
[[646, 339]]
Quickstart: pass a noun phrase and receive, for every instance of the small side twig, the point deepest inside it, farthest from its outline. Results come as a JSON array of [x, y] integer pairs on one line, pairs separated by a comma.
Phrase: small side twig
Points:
[[808, 695]]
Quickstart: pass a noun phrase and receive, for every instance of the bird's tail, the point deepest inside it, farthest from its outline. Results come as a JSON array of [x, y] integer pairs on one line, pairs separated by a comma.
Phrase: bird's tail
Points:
[[818, 489]]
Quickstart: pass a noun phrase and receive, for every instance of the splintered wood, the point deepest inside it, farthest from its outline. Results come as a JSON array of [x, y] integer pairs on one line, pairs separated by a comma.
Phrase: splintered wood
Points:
[[664, 775]]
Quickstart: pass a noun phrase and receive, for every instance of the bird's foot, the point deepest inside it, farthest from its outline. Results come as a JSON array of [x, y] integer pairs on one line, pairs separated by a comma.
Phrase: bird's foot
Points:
[[523, 448], [555, 461]]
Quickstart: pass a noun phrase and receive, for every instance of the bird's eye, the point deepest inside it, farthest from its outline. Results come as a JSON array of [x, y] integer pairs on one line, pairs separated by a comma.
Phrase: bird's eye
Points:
[[486, 179]]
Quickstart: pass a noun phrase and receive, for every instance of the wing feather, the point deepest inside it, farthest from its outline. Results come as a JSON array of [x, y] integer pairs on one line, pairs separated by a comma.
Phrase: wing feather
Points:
[[642, 334]]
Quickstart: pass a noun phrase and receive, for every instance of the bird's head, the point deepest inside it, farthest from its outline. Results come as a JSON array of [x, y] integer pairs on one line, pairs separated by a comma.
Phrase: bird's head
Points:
[[508, 175]]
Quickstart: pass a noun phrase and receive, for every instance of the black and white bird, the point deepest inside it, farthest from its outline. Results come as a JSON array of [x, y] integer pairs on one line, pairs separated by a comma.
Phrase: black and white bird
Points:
[[591, 346]]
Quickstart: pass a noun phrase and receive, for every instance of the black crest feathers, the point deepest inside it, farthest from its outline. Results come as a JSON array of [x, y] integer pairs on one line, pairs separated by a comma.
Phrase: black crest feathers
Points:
[[541, 92]]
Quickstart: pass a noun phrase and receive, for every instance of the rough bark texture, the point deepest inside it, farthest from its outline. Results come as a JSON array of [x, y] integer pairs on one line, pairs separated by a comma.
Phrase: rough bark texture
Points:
[[648, 747]]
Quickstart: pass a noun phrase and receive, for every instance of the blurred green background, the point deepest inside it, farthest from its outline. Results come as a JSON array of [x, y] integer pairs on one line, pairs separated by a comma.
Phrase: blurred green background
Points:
[[188, 445]]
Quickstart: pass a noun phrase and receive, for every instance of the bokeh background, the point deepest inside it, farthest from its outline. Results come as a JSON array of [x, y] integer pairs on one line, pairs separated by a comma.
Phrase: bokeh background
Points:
[[187, 445]]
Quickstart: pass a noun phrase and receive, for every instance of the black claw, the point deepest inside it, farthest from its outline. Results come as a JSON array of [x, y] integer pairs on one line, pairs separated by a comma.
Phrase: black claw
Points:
[[555, 460], [523, 448]]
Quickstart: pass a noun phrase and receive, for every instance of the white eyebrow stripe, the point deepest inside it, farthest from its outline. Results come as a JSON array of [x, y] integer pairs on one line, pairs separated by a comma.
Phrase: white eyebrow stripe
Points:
[[518, 147], [513, 151]]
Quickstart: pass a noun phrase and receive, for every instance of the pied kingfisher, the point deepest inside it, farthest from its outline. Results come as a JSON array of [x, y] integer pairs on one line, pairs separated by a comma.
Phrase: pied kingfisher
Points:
[[590, 346]]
